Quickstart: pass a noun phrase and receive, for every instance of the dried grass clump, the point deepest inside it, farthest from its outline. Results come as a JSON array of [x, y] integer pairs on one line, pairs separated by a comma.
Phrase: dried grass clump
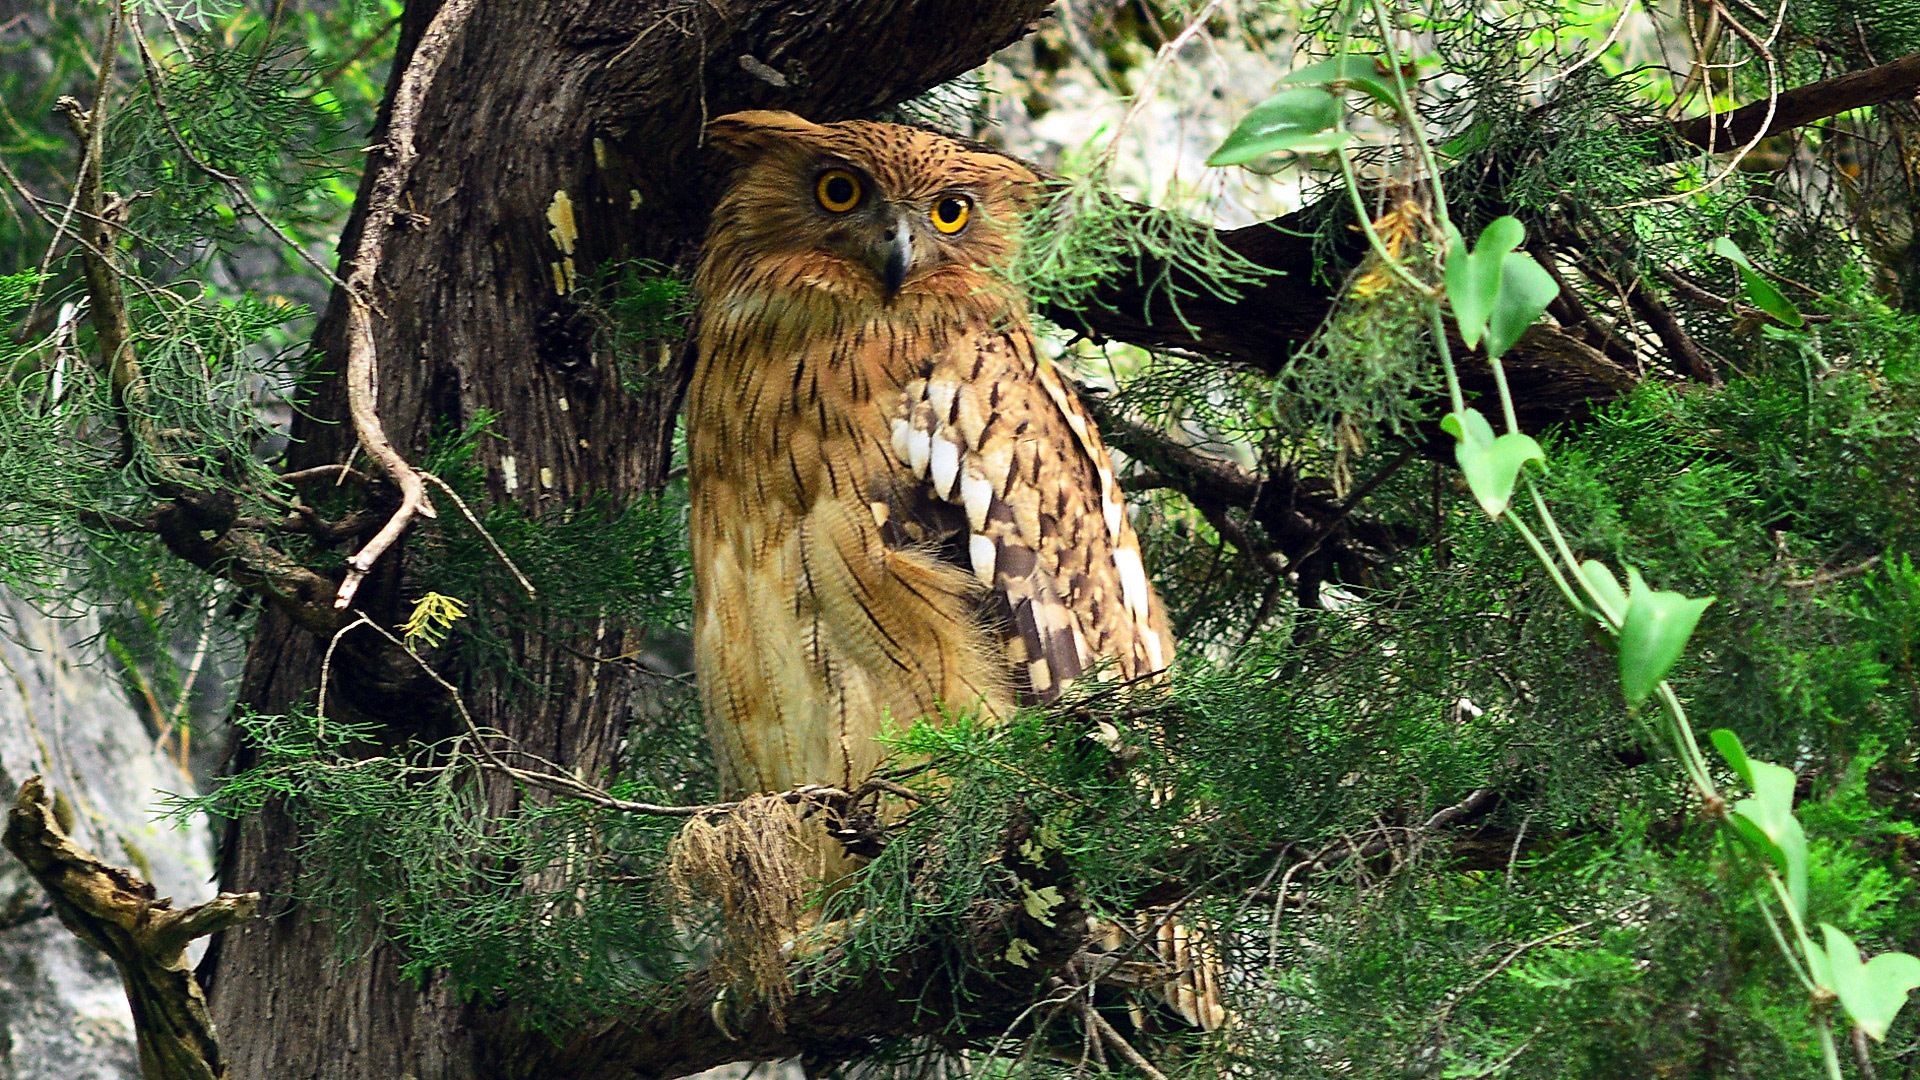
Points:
[[756, 863]]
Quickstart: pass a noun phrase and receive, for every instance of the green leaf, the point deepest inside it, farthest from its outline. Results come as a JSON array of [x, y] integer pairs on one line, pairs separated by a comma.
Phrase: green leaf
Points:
[[1491, 466], [1759, 289], [1339, 69], [1653, 635], [1601, 582], [1765, 820], [1290, 120], [1495, 291], [1501, 235], [1362, 73], [1525, 291], [1729, 746], [1471, 141], [1873, 992]]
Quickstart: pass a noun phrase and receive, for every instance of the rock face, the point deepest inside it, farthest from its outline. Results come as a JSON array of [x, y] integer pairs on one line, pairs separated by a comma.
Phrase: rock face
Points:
[[65, 717]]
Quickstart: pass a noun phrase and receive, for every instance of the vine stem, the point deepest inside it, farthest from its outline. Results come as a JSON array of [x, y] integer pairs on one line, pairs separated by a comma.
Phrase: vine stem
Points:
[[1828, 1055], [1800, 953]]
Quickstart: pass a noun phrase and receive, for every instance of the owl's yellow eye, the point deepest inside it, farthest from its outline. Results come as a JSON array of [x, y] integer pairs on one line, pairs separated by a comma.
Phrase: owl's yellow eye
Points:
[[951, 212], [838, 190]]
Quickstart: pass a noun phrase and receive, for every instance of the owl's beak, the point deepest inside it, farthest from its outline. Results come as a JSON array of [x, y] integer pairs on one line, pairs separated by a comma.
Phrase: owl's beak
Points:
[[897, 255]]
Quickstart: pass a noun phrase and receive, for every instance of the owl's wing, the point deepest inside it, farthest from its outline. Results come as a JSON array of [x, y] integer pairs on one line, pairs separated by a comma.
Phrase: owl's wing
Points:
[[1013, 464], [992, 431]]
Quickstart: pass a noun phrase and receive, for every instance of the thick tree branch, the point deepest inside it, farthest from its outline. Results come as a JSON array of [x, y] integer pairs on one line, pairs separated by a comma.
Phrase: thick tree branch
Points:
[[113, 910], [1554, 374], [1804, 105]]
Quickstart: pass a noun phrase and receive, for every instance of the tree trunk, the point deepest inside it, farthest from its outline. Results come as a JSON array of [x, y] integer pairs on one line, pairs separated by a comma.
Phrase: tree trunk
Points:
[[538, 107]]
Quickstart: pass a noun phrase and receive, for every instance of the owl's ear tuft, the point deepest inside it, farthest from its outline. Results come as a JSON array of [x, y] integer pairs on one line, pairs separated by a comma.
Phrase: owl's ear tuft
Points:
[[756, 131]]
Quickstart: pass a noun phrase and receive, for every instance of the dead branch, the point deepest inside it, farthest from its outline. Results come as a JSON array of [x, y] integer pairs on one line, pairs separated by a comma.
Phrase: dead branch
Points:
[[113, 327], [383, 218], [115, 911]]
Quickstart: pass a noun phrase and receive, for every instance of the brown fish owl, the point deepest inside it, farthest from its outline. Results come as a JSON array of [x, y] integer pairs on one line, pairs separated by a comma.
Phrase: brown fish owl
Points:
[[897, 504]]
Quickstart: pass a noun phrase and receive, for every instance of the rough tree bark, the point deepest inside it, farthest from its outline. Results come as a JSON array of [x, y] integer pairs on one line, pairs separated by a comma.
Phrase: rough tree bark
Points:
[[601, 100]]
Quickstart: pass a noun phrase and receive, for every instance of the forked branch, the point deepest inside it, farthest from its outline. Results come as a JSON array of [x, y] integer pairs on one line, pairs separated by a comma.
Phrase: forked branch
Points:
[[115, 911]]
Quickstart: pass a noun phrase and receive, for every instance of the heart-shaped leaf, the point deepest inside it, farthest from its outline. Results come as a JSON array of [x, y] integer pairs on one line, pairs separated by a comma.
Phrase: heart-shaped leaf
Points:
[[1491, 466], [1759, 289], [1290, 120], [1873, 992], [1473, 277], [1495, 291], [1653, 635]]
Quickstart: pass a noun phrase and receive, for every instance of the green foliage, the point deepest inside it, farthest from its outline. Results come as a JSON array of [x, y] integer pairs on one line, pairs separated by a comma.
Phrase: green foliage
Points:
[[639, 310], [252, 113], [549, 906], [1882, 31], [1082, 237], [596, 569]]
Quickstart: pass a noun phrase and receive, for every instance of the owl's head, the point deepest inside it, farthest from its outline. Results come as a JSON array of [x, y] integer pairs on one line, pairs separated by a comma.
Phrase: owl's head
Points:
[[863, 209]]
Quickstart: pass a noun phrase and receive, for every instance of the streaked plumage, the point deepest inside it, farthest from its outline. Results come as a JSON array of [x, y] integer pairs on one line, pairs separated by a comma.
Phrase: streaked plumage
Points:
[[897, 505], [896, 502]]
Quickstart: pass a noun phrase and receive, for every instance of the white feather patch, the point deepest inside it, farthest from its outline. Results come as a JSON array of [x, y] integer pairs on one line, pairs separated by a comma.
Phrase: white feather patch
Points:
[[1133, 580], [976, 494], [919, 450], [984, 554], [941, 395], [1114, 512], [903, 438], [1156, 655], [946, 466]]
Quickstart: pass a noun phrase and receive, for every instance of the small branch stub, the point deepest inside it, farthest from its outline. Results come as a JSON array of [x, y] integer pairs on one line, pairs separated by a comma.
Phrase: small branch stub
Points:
[[113, 910]]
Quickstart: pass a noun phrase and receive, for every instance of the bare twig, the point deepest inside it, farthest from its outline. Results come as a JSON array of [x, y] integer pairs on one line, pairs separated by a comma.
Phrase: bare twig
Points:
[[1120, 1045], [339, 472], [498, 551], [1827, 576]]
